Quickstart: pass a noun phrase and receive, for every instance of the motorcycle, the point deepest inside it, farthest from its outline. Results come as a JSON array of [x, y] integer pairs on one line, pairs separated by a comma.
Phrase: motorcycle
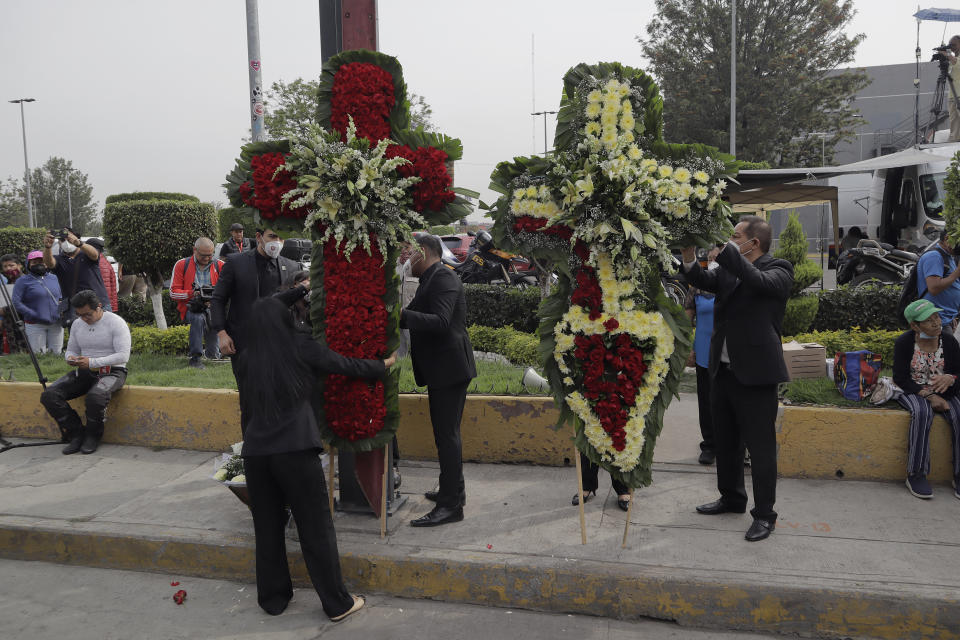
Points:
[[485, 264], [874, 262]]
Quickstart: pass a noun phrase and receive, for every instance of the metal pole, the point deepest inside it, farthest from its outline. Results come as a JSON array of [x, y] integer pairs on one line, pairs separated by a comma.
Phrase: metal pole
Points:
[[69, 201], [733, 77], [253, 54]]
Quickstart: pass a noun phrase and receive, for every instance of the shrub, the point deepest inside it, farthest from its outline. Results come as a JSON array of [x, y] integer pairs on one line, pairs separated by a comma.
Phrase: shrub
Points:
[[875, 340], [172, 341], [139, 313], [801, 308], [868, 306], [20, 241], [516, 346], [800, 313], [149, 236], [149, 195], [498, 306], [229, 215]]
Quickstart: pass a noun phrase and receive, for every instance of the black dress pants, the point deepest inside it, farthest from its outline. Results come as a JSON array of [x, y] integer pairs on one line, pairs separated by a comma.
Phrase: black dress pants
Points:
[[446, 412], [589, 474], [295, 479], [745, 414], [703, 407], [98, 389]]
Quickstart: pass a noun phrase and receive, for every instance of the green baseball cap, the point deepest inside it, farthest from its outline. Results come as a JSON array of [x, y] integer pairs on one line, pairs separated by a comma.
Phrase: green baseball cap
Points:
[[920, 310]]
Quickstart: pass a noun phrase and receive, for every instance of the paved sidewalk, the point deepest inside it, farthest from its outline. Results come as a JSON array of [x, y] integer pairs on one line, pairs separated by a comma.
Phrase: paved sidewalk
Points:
[[847, 559]]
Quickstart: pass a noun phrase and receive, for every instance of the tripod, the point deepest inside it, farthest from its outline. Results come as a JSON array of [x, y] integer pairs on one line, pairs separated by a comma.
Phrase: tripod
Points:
[[17, 321], [940, 94]]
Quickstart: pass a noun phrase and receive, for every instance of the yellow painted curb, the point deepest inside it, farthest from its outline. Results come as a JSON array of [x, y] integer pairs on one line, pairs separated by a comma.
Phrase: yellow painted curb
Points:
[[814, 442]]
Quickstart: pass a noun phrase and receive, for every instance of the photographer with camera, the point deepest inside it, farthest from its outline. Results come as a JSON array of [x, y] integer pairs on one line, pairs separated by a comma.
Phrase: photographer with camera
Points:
[[77, 269], [948, 54], [191, 287]]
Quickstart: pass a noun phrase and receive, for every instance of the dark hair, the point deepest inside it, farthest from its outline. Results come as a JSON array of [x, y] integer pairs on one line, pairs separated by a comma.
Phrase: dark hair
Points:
[[274, 375], [85, 298], [9, 257], [430, 243], [758, 228]]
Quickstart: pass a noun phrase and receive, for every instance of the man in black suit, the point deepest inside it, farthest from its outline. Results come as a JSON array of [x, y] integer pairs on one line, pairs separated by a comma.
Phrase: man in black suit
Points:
[[443, 361], [746, 363], [245, 277], [236, 243]]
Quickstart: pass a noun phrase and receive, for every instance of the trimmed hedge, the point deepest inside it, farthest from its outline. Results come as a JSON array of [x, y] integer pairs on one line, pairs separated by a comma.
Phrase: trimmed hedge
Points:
[[868, 306], [149, 195], [516, 346], [20, 241], [499, 306], [876, 340], [139, 313], [174, 341]]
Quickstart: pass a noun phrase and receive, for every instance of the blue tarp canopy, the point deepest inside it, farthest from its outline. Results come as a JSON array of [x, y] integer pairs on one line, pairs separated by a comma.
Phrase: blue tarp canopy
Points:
[[941, 15]]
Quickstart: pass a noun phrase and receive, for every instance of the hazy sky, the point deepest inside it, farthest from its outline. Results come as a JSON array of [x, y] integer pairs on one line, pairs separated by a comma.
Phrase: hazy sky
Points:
[[152, 96]]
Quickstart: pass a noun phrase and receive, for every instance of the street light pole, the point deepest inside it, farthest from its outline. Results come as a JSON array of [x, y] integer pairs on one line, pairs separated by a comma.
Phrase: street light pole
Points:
[[544, 114], [26, 163]]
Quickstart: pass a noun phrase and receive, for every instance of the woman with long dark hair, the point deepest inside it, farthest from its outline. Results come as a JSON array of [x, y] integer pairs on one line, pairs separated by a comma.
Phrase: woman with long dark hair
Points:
[[279, 369]]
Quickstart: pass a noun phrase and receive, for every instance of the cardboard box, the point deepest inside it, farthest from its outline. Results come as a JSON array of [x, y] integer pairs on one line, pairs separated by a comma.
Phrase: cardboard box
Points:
[[805, 360]]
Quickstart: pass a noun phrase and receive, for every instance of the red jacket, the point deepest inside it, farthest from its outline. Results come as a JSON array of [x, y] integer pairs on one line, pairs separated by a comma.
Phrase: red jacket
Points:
[[109, 282], [181, 283]]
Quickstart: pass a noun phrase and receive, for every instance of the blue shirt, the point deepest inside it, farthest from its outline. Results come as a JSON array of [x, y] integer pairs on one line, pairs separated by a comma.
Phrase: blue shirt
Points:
[[932, 264], [701, 339]]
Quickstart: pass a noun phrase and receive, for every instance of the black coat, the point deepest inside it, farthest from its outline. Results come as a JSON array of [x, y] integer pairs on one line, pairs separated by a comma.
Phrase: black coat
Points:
[[903, 355], [229, 248], [239, 287], [296, 428], [436, 317], [748, 313]]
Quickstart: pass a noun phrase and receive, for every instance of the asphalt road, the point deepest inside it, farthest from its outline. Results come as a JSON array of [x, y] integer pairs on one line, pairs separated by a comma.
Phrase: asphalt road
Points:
[[40, 601]]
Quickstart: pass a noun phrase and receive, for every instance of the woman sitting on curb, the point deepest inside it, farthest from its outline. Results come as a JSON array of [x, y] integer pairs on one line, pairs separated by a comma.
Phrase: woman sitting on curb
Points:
[[926, 366]]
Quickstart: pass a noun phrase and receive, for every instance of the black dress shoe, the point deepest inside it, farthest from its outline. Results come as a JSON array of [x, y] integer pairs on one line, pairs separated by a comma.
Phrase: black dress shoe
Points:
[[433, 495], [439, 515], [586, 498], [74, 446], [707, 456], [759, 530], [718, 507], [90, 443]]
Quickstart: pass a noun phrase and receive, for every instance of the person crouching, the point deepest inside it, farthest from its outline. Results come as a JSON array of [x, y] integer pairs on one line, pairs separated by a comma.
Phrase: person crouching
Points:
[[99, 348]]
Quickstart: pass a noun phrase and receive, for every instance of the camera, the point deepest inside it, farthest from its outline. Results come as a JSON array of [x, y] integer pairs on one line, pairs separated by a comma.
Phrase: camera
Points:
[[201, 296]]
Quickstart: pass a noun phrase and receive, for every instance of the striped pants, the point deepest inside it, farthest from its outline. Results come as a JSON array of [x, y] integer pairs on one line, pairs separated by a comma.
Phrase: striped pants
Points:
[[918, 443]]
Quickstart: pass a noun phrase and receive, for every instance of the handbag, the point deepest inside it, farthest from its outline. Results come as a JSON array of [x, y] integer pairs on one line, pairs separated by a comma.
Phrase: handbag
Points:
[[856, 373]]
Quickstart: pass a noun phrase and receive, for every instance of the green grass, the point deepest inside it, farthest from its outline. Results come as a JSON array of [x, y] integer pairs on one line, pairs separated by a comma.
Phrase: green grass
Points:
[[172, 371]]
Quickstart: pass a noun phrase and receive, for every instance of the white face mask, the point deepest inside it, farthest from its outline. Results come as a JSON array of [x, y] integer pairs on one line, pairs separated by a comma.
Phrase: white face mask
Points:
[[68, 247], [272, 249]]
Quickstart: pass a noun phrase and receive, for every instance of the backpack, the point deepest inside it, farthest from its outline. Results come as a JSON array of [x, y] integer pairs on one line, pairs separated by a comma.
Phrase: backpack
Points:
[[911, 291]]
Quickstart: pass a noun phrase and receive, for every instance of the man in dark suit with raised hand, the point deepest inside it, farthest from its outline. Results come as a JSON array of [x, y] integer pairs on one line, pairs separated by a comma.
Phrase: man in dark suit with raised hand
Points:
[[443, 361], [746, 364], [245, 277]]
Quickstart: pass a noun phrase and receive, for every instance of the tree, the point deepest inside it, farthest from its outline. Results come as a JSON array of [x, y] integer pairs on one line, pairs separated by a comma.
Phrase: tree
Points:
[[801, 308], [786, 89], [51, 206], [291, 107], [149, 232]]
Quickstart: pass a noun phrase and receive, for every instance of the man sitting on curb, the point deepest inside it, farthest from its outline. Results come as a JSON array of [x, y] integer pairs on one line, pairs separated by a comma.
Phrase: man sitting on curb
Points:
[[99, 348]]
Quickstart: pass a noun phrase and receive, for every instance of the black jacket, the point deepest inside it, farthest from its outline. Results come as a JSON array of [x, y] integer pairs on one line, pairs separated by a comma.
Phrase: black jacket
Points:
[[239, 287], [229, 248], [296, 428], [903, 355], [748, 313], [436, 317]]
